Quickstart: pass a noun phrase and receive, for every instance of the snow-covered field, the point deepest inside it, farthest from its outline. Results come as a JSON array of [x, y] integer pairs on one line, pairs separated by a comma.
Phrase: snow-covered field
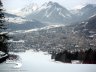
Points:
[[41, 62]]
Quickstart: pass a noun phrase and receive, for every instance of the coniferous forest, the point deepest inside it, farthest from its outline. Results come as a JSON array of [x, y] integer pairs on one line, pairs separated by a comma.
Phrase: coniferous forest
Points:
[[3, 36]]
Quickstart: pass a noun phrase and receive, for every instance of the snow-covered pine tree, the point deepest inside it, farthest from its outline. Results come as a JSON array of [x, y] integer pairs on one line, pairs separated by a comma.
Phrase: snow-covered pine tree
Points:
[[3, 36]]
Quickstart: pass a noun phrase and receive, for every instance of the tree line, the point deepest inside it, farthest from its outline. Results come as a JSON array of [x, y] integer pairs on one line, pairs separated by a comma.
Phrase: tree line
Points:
[[84, 56]]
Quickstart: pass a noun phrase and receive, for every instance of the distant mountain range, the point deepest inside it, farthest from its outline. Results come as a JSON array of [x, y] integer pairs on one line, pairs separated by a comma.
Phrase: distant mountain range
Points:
[[53, 12], [48, 14], [86, 12]]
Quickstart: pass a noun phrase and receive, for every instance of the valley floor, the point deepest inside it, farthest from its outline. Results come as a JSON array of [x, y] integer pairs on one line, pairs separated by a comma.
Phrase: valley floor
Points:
[[42, 62]]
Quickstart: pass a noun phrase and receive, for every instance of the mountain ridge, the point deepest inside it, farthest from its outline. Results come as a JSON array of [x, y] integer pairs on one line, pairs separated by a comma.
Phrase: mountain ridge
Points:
[[51, 12]]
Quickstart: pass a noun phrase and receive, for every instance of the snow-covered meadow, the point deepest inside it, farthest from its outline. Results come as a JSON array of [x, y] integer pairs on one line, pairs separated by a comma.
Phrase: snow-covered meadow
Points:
[[41, 62]]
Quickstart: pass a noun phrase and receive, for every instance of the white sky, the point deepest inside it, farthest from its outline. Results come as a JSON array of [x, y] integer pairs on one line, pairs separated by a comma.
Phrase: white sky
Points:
[[18, 4]]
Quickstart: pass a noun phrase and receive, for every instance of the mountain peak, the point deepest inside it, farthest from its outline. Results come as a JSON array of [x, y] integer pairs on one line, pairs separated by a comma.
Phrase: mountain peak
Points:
[[90, 5], [30, 7], [50, 3], [51, 12]]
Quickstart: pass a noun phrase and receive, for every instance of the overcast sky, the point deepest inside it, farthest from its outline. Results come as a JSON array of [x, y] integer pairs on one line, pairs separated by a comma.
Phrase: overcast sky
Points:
[[18, 4]]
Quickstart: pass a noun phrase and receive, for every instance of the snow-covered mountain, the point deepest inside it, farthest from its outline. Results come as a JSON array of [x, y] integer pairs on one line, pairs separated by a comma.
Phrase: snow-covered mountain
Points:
[[51, 12], [84, 13], [88, 10], [28, 9]]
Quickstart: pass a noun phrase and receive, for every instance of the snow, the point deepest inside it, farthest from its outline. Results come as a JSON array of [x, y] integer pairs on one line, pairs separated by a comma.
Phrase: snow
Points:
[[92, 44], [13, 11], [92, 32], [43, 28], [36, 29], [17, 20], [44, 7], [3, 33], [76, 62], [18, 65], [85, 24], [92, 16], [68, 15], [48, 14], [91, 36], [58, 9], [78, 7], [31, 30], [60, 13], [1, 53], [39, 62], [75, 11], [47, 7], [82, 22], [20, 41], [76, 45], [28, 9]]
